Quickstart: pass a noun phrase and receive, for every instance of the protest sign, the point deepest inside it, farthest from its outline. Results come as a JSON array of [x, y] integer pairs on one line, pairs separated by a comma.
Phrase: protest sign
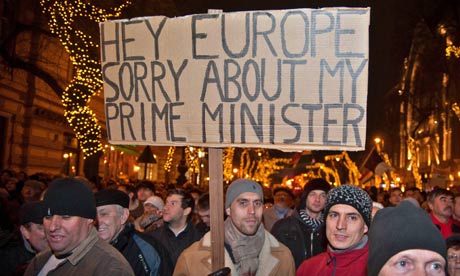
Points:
[[286, 79]]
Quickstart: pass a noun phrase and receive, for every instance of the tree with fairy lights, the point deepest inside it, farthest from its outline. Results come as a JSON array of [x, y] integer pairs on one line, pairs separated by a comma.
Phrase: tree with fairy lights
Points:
[[65, 20]]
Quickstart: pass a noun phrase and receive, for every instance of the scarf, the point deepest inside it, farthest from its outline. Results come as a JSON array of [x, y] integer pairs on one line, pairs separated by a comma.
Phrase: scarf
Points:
[[281, 212], [245, 249], [148, 219], [313, 223]]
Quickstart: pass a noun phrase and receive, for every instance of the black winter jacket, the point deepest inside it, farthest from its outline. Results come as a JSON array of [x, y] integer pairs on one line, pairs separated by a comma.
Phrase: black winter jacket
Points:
[[145, 254], [14, 257], [175, 245], [300, 238]]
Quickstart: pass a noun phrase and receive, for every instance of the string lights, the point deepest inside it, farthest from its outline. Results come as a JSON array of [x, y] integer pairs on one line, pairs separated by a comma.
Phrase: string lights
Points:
[[414, 161], [257, 165], [191, 154], [453, 50], [345, 160], [169, 159], [321, 170], [455, 107], [65, 19], [227, 161]]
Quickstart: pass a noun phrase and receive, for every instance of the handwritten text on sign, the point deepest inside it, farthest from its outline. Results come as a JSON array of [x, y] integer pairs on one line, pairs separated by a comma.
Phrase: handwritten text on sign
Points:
[[291, 79]]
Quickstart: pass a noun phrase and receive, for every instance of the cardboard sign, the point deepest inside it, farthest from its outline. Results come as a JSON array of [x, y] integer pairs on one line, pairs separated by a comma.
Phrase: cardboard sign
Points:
[[287, 79]]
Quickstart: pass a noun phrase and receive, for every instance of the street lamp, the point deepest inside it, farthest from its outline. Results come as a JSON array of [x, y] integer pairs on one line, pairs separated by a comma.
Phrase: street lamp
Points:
[[378, 144], [68, 163], [146, 158]]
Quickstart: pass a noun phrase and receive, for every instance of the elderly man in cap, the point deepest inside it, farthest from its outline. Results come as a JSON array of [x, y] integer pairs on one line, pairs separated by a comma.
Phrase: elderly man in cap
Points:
[[404, 241], [76, 249], [303, 232], [348, 217], [283, 200], [249, 248], [145, 254], [17, 253], [151, 219]]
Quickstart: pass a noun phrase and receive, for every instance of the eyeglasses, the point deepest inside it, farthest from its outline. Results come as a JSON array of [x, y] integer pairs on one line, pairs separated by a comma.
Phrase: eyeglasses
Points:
[[453, 257]]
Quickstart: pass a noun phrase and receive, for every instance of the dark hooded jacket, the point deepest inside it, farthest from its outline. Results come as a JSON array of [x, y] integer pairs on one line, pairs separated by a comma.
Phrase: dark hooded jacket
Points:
[[15, 256], [300, 238], [175, 245], [145, 254]]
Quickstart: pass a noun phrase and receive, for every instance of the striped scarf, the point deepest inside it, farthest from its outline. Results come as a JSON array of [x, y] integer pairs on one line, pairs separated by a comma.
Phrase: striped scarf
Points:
[[313, 223]]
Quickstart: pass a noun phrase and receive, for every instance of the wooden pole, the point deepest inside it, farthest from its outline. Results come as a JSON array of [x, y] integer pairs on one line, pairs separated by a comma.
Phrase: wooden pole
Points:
[[216, 201], [367, 158]]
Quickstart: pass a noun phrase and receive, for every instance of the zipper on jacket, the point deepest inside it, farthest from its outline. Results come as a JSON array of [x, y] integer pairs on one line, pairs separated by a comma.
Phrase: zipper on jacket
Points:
[[311, 243]]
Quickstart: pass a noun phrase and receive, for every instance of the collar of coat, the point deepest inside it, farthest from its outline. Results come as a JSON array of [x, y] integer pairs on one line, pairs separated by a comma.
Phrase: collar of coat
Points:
[[267, 262]]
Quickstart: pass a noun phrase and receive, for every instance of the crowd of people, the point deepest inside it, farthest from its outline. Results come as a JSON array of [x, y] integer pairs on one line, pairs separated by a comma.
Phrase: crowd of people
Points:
[[69, 225]]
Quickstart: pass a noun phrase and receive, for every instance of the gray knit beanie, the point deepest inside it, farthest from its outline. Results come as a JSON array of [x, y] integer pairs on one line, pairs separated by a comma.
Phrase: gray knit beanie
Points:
[[240, 186], [351, 195], [396, 229]]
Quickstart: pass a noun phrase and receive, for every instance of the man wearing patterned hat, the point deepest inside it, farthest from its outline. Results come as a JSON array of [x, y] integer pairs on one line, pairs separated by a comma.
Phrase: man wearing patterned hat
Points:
[[348, 217], [249, 248]]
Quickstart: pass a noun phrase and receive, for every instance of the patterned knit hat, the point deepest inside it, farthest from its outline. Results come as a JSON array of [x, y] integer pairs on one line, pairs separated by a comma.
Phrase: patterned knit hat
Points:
[[351, 195]]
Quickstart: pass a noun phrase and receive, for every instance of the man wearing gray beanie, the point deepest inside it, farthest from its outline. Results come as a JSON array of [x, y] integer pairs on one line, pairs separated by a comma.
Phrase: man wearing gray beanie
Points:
[[75, 247], [249, 248], [348, 217], [404, 241]]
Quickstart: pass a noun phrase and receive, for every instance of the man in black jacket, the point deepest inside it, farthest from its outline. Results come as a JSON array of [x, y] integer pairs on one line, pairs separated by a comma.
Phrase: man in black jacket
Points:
[[178, 232], [145, 254], [303, 232], [16, 254]]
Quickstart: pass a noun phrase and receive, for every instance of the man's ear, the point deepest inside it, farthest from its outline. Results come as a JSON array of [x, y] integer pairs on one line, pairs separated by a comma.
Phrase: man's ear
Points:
[[366, 229], [430, 205], [90, 221], [124, 216], [187, 211], [25, 233], [227, 211]]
